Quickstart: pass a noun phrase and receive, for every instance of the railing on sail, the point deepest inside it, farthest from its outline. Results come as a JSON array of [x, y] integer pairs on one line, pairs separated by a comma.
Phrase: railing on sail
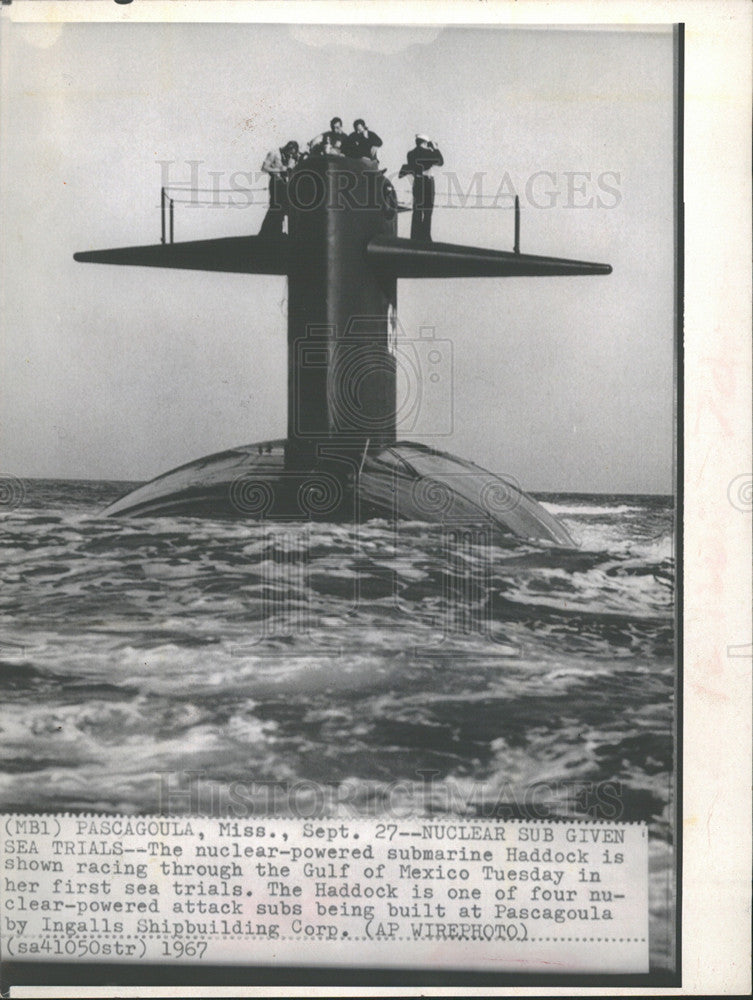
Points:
[[167, 207], [166, 200]]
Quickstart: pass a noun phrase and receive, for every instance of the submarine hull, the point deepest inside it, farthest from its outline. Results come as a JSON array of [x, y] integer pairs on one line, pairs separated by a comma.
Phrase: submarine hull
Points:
[[401, 481]]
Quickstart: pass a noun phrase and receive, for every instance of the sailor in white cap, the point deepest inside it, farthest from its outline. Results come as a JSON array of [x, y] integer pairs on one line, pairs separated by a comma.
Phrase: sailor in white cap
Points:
[[419, 162]]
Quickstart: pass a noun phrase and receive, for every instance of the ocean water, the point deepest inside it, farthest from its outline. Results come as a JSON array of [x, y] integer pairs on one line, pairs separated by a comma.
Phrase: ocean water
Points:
[[177, 666]]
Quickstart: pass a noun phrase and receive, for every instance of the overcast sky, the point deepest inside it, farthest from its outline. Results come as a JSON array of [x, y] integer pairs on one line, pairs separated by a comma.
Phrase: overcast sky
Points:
[[123, 373]]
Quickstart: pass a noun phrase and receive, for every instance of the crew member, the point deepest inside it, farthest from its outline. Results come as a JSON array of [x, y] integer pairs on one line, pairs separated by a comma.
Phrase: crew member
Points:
[[278, 163], [332, 141], [420, 162], [362, 143]]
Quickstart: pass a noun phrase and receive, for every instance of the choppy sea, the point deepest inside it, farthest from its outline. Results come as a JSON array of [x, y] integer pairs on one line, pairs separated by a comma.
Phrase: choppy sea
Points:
[[175, 665]]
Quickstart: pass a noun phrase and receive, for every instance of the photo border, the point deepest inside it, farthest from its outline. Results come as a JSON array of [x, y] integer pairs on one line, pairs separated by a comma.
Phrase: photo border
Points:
[[264, 976]]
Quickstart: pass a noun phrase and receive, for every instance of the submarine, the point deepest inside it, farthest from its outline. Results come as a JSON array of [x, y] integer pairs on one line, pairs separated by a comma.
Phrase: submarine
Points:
[[341, 459]]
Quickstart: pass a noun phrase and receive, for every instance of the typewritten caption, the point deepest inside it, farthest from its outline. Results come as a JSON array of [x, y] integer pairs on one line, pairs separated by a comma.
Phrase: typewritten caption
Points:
[[483, 894]]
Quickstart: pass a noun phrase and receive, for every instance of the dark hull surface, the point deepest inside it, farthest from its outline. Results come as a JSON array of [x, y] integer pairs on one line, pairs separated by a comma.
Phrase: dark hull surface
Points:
[[404, 481]]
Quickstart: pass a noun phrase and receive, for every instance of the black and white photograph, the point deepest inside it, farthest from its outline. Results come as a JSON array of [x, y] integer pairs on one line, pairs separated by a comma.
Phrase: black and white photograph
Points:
[[340, 468]]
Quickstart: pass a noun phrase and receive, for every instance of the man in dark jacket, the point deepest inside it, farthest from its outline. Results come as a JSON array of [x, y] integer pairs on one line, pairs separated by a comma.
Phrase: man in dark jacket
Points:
[[362, 143], [420, 162], [332, 141]]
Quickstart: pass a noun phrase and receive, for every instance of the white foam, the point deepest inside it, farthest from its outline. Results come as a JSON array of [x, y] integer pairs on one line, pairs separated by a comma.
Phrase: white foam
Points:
[[588, 509]]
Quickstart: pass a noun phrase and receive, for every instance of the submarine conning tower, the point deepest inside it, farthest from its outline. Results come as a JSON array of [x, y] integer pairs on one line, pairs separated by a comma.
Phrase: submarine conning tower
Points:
[[340, 460], [341, 372]]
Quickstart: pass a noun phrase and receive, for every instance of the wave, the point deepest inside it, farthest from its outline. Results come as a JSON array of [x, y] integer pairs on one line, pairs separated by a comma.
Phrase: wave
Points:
[[331, 653], [589, 509]]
